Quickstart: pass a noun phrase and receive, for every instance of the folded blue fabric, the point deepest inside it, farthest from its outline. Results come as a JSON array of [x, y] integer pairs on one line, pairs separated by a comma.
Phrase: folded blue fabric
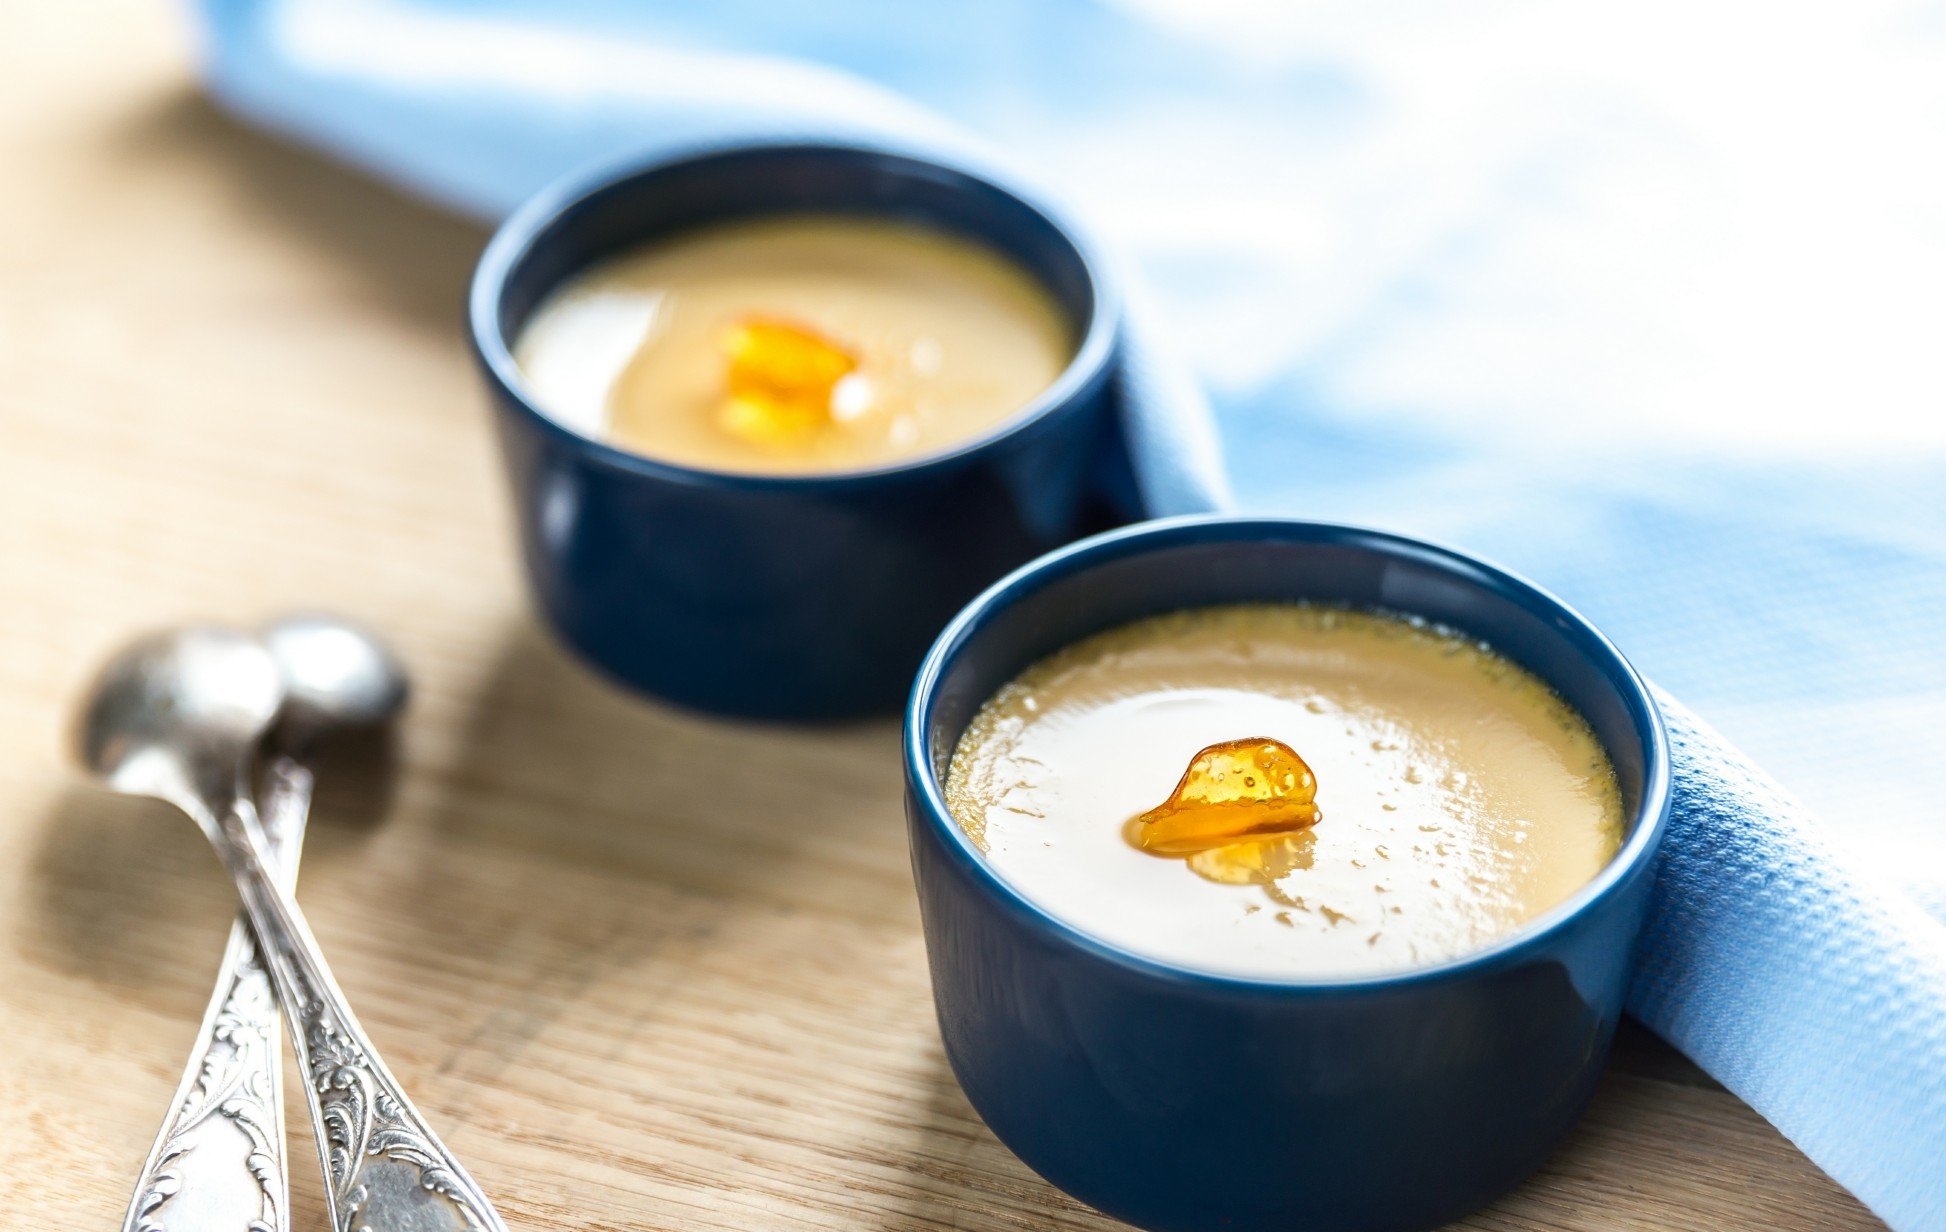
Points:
[[1800, 602]]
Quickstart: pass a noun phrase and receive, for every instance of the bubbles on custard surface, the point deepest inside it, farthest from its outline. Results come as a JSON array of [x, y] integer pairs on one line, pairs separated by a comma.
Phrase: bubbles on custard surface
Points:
[[949, 337], [1116, 718]]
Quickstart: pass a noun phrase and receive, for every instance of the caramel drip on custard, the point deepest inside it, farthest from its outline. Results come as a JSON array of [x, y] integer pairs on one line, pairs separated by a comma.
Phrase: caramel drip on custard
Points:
[[783, 380]]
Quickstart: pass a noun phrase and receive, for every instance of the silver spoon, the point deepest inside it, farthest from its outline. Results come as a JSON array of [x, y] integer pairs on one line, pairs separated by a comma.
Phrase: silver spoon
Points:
[[177, 716], [337, 677], [218, 1161]]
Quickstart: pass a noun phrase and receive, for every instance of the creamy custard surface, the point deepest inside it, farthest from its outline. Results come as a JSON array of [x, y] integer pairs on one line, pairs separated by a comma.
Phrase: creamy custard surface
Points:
[[1459, 795], [939, 339]]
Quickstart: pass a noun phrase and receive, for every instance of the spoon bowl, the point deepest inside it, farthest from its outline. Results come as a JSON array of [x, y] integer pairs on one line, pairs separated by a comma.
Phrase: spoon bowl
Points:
[[176, 714], [337, 676]]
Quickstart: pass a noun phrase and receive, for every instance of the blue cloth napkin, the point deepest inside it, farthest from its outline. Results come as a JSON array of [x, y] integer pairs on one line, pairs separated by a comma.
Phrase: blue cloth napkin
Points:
[[1565, 296]]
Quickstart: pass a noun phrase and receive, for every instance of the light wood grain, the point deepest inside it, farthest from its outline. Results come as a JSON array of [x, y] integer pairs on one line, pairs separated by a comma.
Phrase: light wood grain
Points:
[[646, 970]]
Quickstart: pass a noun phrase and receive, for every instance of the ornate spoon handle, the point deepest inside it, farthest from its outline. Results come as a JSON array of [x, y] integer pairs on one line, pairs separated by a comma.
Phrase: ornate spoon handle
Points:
[[218, 1163], [384, 1168]]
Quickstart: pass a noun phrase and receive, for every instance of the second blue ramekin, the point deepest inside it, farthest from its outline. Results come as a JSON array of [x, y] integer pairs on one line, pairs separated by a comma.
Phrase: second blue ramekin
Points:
[[1183, 1101], [786, 596]]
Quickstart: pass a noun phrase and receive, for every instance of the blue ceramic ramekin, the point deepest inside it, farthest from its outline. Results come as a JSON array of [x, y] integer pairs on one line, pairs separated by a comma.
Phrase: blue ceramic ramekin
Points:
[[1183, 1101], [791, 597]]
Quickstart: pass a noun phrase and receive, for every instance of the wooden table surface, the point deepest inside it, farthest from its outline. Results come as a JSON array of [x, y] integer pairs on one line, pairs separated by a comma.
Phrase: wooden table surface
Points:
[[644, 970]]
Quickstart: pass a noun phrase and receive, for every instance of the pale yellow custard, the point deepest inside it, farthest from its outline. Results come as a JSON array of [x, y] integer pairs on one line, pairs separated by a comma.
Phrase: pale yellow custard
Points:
[[1453, 796], [795, 344]]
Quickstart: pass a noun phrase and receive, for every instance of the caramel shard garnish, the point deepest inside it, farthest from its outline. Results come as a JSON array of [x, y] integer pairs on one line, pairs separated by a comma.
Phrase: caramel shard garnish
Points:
[[781, 379], [1238, 791]]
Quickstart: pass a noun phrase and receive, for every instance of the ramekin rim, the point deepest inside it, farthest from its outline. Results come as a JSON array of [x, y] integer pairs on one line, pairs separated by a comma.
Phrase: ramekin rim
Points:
[[1634, 858], [517, 236]]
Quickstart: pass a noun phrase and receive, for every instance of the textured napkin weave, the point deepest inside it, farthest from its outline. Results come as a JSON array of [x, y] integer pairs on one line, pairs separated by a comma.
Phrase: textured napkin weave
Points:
[[1807, 987], [479, 112], [1434, 367]]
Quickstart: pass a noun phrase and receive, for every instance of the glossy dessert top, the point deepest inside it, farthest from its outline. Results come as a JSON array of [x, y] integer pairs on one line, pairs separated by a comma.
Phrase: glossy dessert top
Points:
[[1283, 790], [795, 344]]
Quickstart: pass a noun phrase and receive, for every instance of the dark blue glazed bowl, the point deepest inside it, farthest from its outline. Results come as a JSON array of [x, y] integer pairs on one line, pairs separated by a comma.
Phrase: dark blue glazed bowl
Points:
[[793, 597], [1182, 1101]]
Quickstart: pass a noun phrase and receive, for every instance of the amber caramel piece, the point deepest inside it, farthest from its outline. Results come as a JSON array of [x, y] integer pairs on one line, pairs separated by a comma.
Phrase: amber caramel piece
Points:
[[781, 379], [1238, 791]]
